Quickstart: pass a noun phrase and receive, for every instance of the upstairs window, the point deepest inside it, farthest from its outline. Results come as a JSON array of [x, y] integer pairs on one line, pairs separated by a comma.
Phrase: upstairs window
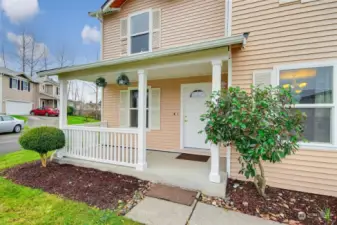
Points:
[[140, 33], [25, 85], [14, 83]]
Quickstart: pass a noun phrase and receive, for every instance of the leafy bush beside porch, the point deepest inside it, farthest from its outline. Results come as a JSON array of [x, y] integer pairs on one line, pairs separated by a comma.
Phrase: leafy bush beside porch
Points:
[[262, 125]]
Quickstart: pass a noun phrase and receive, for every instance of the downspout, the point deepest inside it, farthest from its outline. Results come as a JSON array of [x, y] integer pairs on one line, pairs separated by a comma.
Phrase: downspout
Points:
[[228, 33]]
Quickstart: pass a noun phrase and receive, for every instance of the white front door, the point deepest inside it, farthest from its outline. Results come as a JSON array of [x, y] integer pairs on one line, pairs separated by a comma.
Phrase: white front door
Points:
[[194, 97]]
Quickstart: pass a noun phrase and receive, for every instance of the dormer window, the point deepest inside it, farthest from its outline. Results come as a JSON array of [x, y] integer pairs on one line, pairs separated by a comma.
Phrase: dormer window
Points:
[[140, 32]]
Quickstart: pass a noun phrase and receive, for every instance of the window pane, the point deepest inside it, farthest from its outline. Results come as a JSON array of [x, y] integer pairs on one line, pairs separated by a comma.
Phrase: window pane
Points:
[[140, 23], [134, 118], [7, 118], [309, 86], [134, 99], [317, 125], [140, 43]]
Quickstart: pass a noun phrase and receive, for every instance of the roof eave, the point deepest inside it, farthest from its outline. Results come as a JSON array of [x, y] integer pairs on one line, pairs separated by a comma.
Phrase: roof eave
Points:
[[233, 40], [101, 12]]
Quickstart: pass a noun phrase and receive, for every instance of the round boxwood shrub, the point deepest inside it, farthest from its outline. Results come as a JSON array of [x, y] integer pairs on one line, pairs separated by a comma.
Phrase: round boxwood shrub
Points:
[[42, 140]]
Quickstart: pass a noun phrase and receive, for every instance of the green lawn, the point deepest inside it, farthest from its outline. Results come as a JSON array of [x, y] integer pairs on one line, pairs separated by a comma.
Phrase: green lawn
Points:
[[24, 118], [72, 120], [23, 205], [16, 158]]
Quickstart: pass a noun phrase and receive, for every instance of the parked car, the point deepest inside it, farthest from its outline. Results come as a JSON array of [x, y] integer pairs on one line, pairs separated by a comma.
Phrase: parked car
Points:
[[45, 111], [10, 124]]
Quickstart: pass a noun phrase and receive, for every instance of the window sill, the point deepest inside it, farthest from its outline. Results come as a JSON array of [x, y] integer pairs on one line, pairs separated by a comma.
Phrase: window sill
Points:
[[318, 146], [139, 53]]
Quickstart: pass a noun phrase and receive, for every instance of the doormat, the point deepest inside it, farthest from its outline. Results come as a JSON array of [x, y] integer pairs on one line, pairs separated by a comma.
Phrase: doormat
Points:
[[172, 194], [198, 158]]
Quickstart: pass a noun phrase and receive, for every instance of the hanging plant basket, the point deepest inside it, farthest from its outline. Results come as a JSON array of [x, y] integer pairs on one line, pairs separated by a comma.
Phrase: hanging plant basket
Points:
[[100, 82], [123, 80]]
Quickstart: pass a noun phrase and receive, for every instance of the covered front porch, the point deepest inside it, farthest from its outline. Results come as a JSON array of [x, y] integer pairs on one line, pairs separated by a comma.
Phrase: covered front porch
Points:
[[147, 128], [165, 168]]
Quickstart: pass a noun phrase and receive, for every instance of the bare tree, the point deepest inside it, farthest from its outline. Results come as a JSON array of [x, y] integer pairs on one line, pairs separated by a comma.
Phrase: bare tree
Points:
[[63, 59], [27, 51], [95, 89], [35, 55], [3, 55], [45, 59]]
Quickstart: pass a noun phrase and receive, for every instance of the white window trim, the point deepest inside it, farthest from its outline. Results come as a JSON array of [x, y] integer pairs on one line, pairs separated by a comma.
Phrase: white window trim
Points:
[[333, 106], [17, 84], [149, 109], [150, 30]]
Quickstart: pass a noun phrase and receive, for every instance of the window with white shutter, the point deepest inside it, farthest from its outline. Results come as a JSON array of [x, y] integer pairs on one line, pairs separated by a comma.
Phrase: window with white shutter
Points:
[[124, 109], [156, 28], [129, 108], [140, 32], [124, 36], [263, 78], [155, 108]]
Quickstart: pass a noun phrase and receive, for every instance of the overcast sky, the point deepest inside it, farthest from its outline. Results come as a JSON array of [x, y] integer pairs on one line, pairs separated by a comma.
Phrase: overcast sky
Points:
[[55, 25]]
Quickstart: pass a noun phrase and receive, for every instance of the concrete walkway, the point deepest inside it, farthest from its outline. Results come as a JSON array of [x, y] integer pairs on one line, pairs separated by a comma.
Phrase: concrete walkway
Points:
[[153, 211]]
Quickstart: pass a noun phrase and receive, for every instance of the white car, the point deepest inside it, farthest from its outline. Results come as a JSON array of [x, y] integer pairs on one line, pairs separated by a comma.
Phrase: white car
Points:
[[10, 124]]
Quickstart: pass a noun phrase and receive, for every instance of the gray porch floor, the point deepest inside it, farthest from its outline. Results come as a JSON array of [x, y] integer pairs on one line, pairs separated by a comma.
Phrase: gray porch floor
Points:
[[163, 167]]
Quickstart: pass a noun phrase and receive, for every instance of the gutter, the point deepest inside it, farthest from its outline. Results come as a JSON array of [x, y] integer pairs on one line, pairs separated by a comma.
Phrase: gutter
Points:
[[237, 39]]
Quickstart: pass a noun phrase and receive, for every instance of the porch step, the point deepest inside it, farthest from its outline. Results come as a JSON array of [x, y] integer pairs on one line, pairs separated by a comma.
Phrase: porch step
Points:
[[172, 194]]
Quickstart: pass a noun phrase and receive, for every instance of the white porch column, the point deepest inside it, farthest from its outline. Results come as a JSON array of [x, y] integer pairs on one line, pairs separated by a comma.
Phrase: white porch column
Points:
[[214, 175], [142, 96], [63, 104]]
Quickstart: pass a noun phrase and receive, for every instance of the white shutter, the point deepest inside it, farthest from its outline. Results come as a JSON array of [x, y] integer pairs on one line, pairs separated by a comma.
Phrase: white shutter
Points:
[[124, 109], [264, 78], [124, 36], [155, 108], [156, 28]]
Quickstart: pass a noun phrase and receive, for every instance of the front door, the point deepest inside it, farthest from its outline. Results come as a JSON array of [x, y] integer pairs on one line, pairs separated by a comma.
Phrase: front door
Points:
[[194, 97]]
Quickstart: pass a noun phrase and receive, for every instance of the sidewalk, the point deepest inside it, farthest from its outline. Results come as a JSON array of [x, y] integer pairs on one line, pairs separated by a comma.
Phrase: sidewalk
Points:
[[152, 211]]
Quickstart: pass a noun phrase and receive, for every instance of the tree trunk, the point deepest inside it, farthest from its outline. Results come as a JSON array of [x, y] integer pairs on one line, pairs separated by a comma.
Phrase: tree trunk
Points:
[[260, 181], [43, 160]]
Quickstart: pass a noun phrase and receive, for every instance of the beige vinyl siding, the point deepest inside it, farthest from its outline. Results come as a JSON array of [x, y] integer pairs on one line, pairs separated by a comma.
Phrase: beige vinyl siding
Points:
[[287, 34], [168, 137], [18, 95], [182, 22]]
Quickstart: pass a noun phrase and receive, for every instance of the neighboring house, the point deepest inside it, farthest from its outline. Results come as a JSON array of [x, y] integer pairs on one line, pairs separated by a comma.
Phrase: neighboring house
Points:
[[177, 53], [18, 93], [49, 93]]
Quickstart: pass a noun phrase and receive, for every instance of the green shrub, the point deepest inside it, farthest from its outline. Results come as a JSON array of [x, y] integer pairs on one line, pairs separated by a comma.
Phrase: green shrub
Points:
[[70, 110], [263, 126], [42, 140]]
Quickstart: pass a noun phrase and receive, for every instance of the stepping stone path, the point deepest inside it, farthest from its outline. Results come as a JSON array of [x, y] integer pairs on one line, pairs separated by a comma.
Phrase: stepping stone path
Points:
[[165, 205]]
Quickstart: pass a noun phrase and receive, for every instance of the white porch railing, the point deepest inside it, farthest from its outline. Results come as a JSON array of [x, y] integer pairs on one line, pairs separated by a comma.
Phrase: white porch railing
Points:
[[93, 124], [99, 144]]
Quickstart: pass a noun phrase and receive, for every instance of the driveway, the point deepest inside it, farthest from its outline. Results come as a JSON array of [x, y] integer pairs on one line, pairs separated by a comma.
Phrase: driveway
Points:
[[38, 121], [9, 141]]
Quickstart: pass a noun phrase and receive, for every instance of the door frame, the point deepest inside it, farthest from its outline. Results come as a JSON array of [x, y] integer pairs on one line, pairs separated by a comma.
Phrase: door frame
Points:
[[182, 110]]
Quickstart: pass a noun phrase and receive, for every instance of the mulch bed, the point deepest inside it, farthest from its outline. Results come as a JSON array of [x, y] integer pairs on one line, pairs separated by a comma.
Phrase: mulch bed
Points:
[[282, 205], [104, 190]]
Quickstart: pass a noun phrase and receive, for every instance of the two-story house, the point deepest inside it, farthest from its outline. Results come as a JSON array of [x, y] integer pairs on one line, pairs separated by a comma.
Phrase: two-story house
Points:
[[173, 54], [18, 93], [49, 93]]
